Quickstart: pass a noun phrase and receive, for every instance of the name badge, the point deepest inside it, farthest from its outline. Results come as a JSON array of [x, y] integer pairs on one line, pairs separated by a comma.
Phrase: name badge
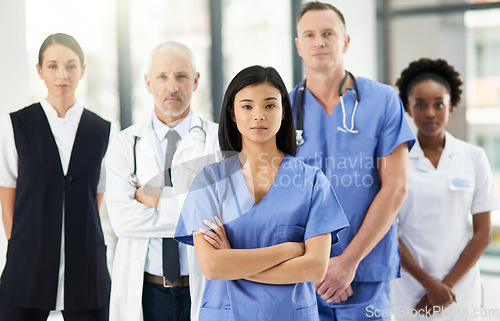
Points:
[[459, 184]]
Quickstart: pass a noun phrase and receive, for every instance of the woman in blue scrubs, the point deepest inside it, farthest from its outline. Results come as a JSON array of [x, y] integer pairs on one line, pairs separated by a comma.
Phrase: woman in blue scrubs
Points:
[[276, 216]]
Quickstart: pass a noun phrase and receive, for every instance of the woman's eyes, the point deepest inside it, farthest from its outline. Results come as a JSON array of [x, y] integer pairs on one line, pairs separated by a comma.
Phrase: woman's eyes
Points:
[[437, 106], [72, 66], [250, 107]]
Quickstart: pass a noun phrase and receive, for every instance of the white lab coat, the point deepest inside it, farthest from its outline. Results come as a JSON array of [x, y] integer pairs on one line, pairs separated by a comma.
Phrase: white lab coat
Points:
[[434, 223], [134, 223]]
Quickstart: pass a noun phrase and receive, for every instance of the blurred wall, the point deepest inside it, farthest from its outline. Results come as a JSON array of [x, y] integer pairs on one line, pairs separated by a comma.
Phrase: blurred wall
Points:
[[14, 70], [13, 63], [361, 24]]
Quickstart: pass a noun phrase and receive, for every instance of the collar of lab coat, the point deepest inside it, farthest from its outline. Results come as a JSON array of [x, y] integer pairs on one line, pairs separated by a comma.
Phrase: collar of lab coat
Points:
[[146, 128], [190, 146], [423, 163]]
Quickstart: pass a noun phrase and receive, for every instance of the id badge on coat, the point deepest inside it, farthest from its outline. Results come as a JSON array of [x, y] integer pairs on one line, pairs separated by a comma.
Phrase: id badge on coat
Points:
[[460, 184]]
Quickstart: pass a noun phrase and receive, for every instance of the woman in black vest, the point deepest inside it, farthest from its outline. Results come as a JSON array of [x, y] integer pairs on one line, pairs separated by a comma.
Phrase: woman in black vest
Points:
[[51, 188]]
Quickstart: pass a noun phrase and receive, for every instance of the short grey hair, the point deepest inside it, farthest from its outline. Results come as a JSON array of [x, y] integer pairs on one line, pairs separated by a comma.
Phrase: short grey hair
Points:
[[172, 46]]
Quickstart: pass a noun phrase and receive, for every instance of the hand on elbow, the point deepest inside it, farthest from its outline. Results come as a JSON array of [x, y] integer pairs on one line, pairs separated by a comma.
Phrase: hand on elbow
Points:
[[150, 199]]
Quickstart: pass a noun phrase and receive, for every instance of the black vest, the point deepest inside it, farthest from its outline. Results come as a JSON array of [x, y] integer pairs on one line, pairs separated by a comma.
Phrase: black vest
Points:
[[31, 272]]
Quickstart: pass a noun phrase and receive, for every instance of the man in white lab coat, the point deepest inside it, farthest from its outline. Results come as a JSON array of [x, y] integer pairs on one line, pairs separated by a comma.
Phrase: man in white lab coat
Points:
[[147, 187]]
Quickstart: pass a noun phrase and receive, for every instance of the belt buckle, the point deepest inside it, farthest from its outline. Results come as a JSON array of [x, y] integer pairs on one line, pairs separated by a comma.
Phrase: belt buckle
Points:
[[166, 283]]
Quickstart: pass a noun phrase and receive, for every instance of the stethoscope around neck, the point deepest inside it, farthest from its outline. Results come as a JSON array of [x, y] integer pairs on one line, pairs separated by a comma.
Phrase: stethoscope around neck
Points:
[[133, 179], [300, 122]]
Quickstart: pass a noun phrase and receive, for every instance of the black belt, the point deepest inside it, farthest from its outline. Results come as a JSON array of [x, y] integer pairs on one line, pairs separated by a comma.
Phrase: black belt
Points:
[[181, 282]]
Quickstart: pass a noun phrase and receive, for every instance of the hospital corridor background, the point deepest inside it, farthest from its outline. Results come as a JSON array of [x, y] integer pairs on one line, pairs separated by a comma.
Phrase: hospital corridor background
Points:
[[386, 35]]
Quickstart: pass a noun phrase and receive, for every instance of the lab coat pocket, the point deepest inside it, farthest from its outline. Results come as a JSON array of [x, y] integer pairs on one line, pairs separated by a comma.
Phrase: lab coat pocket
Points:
[[287, 233], [306, 314], [214, 314]]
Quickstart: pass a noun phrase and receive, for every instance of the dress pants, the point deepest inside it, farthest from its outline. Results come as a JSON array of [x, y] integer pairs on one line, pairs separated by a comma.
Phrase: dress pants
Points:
[[14, 313], [165, 304]]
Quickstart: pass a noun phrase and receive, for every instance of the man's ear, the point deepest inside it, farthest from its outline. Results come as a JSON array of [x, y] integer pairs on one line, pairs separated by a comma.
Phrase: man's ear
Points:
[[347, 41], [196, 80], [148, 83], [297, 44]]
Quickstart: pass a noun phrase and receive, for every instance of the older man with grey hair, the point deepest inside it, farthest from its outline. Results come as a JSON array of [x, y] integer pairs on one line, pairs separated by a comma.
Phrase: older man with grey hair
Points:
[[150, 169]]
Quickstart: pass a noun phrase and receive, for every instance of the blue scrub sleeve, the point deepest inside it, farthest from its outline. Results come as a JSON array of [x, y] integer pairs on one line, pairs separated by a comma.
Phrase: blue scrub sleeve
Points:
[[200, 204], [325, 214], [395, 129]]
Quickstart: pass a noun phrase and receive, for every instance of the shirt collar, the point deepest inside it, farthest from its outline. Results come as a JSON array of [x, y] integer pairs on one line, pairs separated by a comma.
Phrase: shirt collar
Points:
[[449, 147], [73, 114], [161, 129], [450, 144]]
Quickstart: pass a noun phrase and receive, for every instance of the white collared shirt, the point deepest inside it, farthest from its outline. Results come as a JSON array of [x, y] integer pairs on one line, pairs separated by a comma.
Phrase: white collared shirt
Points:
[[154, 258], [64, 130]]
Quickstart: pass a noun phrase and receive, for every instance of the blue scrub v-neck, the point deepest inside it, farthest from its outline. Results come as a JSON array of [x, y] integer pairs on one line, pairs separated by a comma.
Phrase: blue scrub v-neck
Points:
[[243, 182]]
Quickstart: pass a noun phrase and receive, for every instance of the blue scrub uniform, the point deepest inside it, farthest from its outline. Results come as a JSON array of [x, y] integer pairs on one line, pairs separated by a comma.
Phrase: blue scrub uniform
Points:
[[349, 161], [300, 204]]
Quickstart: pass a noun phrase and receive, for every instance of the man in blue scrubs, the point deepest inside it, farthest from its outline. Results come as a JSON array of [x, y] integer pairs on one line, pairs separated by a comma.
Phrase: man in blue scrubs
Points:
[[362, 147]]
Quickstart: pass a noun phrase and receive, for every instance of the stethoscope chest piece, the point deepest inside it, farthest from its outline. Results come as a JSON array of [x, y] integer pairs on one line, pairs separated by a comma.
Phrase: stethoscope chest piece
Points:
[[298, 137], [133, 180]]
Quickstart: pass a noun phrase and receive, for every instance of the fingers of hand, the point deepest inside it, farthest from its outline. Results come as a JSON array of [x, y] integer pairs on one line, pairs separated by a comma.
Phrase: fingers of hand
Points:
[[422, 303], [220, 226], [219, 223], [218, 229], [330, 295], [210, 224], [138, 193], [337, 296], [349, 291], [341, 298], [211, 241], [321, 288]]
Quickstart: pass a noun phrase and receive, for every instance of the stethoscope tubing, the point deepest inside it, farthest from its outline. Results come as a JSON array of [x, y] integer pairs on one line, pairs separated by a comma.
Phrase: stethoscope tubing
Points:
[[133, 180], [300, 99]]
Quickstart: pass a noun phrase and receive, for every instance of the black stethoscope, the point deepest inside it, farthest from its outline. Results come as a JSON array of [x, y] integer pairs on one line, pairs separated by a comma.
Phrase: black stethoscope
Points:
[[133, 180], [300, 121]]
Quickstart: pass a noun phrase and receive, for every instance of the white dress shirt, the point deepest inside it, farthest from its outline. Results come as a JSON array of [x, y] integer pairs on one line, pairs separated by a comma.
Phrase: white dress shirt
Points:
[[64, 131], [154, 258]]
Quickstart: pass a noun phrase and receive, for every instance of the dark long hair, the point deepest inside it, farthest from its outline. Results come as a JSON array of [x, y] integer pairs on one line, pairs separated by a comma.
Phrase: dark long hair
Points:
[[229, 136]]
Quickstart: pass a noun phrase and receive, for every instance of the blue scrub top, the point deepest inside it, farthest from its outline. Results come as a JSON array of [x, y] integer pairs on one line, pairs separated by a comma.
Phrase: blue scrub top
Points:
[[349, 161], [300, 204]]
